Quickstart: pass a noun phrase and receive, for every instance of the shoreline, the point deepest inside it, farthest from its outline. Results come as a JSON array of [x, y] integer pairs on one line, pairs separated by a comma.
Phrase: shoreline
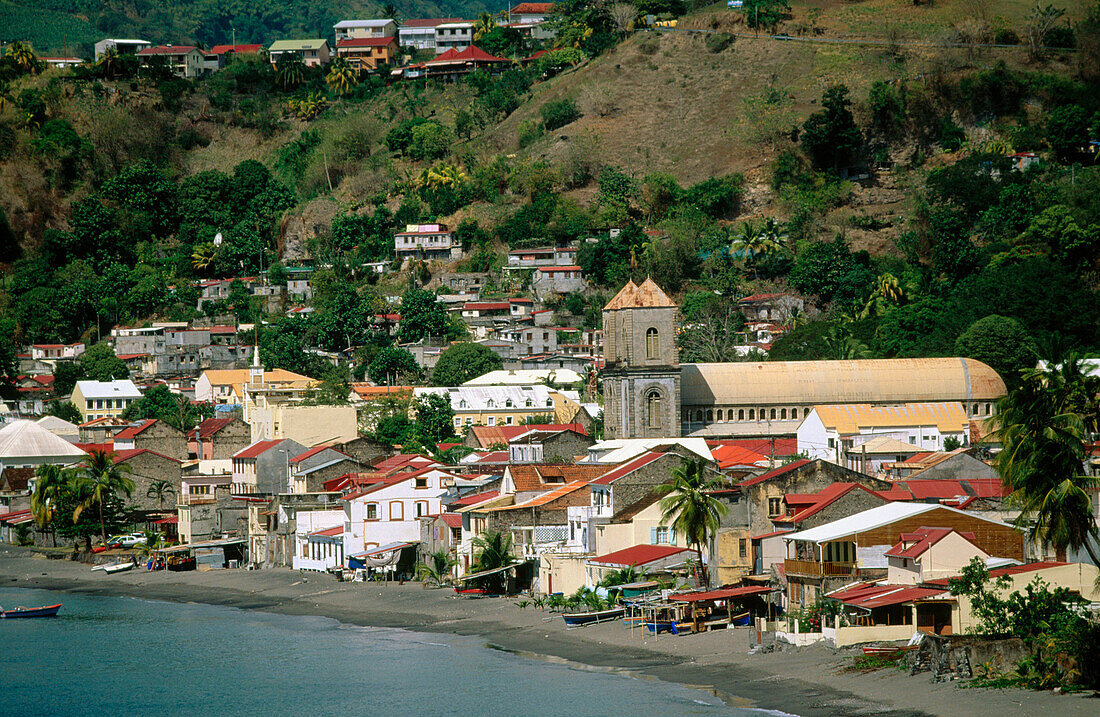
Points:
[[807, 682]]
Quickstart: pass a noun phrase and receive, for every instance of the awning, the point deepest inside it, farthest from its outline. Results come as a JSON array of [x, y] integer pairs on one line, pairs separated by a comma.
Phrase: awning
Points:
[[387, 548], [486, 573], [172, 520], [636, 586], [721, 594], [16, 517]]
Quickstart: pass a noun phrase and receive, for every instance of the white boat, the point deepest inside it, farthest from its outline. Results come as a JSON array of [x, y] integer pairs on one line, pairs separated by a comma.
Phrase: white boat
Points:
[[115, 567]]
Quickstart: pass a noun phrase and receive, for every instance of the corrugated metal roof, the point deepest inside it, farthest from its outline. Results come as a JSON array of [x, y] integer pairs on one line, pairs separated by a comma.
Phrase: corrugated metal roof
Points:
[[850, 418], [640, 555], [809, 383], [875, 518], [27, 439]]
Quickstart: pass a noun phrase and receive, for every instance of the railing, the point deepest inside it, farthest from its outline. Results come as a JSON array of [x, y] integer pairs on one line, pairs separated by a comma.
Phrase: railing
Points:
[[811, 568], [197, 500]]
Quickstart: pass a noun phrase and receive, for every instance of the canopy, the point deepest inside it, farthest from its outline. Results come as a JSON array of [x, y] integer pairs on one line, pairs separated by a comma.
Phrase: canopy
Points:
[[386, 556], [171, 520], [721, 594], [486, 573], [388, 547]]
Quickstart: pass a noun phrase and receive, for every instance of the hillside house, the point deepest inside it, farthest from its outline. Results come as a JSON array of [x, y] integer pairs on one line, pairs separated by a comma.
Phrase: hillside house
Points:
[[426, 241], [360, 29], [542, 256], [419, 33], [182, 60], [313, 52], [453, 36], [218, 439], [264, 467], [549, 280], [104, 399], [367, 53], [121, 46], [153, 435]]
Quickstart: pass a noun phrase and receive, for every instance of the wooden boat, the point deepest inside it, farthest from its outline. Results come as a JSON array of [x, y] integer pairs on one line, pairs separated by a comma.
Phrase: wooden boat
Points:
[[659, 626], [742, 620], [633, 620], [45, 611], [113, 568], [884, 649], [592, 616], [472, 591]]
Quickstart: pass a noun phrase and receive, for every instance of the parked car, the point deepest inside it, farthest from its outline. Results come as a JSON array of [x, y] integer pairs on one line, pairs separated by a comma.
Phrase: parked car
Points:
[[128, 540]]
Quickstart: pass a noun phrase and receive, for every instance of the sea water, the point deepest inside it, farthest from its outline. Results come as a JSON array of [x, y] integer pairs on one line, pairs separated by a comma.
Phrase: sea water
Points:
[[124, 656]]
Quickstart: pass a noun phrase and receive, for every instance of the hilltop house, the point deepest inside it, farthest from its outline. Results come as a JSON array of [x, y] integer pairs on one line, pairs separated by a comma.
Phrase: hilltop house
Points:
[[419, 33], [183, 60], [360, 29], [453, 36], [121, 46], [426, 241]]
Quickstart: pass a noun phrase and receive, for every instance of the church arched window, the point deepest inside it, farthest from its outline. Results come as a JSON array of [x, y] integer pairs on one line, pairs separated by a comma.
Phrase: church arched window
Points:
[[718, 415], [653, 409], [740, 414], [710, 416], [699, 416], [773, 414], [752, 415], [783, 414], [794, 413], [652, 343]]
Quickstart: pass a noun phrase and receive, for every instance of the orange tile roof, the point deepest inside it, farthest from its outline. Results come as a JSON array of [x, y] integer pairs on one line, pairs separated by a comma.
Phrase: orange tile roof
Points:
[[534, 477], [548, 497], [640, 296]]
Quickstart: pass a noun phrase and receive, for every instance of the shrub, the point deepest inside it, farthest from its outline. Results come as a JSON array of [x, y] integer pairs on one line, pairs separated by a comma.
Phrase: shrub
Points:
[[717, 42], [529, 132], [558, 114]]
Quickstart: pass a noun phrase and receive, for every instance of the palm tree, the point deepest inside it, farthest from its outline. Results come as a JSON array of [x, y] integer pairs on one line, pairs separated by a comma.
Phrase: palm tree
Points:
[[160, 489], [108, 61], [483, 25], [438, 571], [888, 292], [185, 416], [50, 483], [752, 242], [23, 56], [1042, 461], [203, 256], [623, 576], [689, 505], [99, 479], [441, 175], [341, 77], [494, 550], [290, 71]]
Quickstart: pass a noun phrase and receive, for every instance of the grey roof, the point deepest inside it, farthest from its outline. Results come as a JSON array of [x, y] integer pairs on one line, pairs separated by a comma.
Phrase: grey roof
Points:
[[361, 23], [874, 518], [28, 440], [121, 388]]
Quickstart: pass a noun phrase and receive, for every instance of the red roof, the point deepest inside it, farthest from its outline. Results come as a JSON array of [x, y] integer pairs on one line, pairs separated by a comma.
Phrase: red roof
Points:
[[473, 53], [779, 447], [133, 431], [95, 447], [210, 426], [239, 49], [770, 535], [556, 269], [453, 520], [775, 473], [628, 468], [923, 539], [1013, 570], [367, 42], [721, 594], [763, 297], [312, 452], [803, 505], [329, 532], [532, 8], [167, 50], [872, 596], [640, 555], [729, 456], [409, 461], [485, 305], [122, 456], [257, 449]]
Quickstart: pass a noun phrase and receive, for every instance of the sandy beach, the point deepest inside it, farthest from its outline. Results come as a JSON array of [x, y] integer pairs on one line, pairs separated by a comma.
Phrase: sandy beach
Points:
[[809, 682]]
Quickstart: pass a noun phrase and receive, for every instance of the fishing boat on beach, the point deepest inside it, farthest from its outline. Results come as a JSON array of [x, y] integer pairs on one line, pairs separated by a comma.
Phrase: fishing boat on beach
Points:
[[884, 649], [45, 611], [576, 619], [113, 568]]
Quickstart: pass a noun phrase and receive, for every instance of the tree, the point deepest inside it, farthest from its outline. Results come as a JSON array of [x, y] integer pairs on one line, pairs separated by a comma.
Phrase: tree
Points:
[[157, 402], [341, 77], [1067, 130], [434, 418], [765, 13], [161, 490], [391, 365], [290, 71], [65, 410], [463, 362], [1001, 343], [622, 15], [23, 56], [421, 316], [559, 113], [1038, 26], [755, 242], [830, 137], [437, 571], [430, 140], [483, 25], [100, 364], [98, 479], [50, 482], [688, 504], [493, 550], [1040, 425]]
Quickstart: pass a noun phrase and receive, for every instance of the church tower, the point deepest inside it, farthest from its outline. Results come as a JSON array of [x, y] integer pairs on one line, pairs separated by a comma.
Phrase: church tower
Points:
[[641, 378]]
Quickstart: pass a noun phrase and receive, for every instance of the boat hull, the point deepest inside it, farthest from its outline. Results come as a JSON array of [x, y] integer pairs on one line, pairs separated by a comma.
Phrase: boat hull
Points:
[[662, 626], [121, 568], [587, 618], [45, 611]]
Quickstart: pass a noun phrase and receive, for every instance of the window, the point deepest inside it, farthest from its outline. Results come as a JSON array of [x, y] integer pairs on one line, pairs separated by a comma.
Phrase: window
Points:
[[740, 414], [421, 481], [549, 403], [490, 403], [783, 414], [775, 507], [371, 511], [742, 548], [794, 413], [710, 416], [653, 409], [752, 415], [913, 440], [508, 403], [529, 403], [421, 508], [660, 536], [652, 343], [718, 415], [462, 403], [508, 420], [458, 421], [397, 510], [469, 421], [492, 420], [832, 443]]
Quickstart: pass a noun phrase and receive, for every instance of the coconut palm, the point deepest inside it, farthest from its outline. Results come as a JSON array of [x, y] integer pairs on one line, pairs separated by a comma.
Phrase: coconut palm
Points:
[[688, 504], [50, 483], [1042, 462], [23, 56], [341, 77], [160, 489], [623, 576], [203, 256], [483, 25], [437, 571], [108, 62], [493, 550], [441, 175], [290, 71], [754, 242], [98, 479], [887, 292]]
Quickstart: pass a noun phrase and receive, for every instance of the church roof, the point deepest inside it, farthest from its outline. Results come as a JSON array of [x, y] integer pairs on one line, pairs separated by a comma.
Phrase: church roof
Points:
[[809, 383], [640, 296]]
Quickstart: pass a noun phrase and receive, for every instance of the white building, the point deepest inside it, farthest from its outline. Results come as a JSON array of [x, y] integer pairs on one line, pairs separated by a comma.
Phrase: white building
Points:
[[121, 46], [319, 539], [453, 36], [526, 377], [389, 511], [100, 399], [930, 554], [419, 33], [835, 432]]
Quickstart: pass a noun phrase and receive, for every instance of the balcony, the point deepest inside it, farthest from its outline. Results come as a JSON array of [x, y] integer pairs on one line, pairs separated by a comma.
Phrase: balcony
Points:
[[814, 569]]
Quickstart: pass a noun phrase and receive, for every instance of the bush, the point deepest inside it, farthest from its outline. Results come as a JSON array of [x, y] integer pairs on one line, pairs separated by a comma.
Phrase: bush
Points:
[[558, 114], [430, 140], [529, 132], [1006, 36], [717, 197], [718, 41]]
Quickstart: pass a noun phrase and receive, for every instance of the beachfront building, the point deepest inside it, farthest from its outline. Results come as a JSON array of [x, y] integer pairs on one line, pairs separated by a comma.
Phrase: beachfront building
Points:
[[388, 511], [319, 539], [854, 548]]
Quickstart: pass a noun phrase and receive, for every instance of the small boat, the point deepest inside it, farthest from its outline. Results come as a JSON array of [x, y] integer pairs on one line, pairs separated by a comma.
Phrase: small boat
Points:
[[633, 620], [46, 611], [472, 591], [883, 649], [113, 568], [592, 616], [660, 626], [742, 620], [178, 565]]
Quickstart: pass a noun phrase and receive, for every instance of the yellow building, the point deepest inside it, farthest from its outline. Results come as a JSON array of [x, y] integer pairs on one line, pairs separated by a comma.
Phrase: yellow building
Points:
[[505, 405], [104, 399]]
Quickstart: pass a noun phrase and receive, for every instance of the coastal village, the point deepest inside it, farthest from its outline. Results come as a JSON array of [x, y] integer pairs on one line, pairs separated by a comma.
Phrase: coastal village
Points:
[[643, 409]]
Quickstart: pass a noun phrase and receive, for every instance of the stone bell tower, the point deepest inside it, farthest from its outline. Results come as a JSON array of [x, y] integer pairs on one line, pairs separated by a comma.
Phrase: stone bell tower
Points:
[[641, 379]]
